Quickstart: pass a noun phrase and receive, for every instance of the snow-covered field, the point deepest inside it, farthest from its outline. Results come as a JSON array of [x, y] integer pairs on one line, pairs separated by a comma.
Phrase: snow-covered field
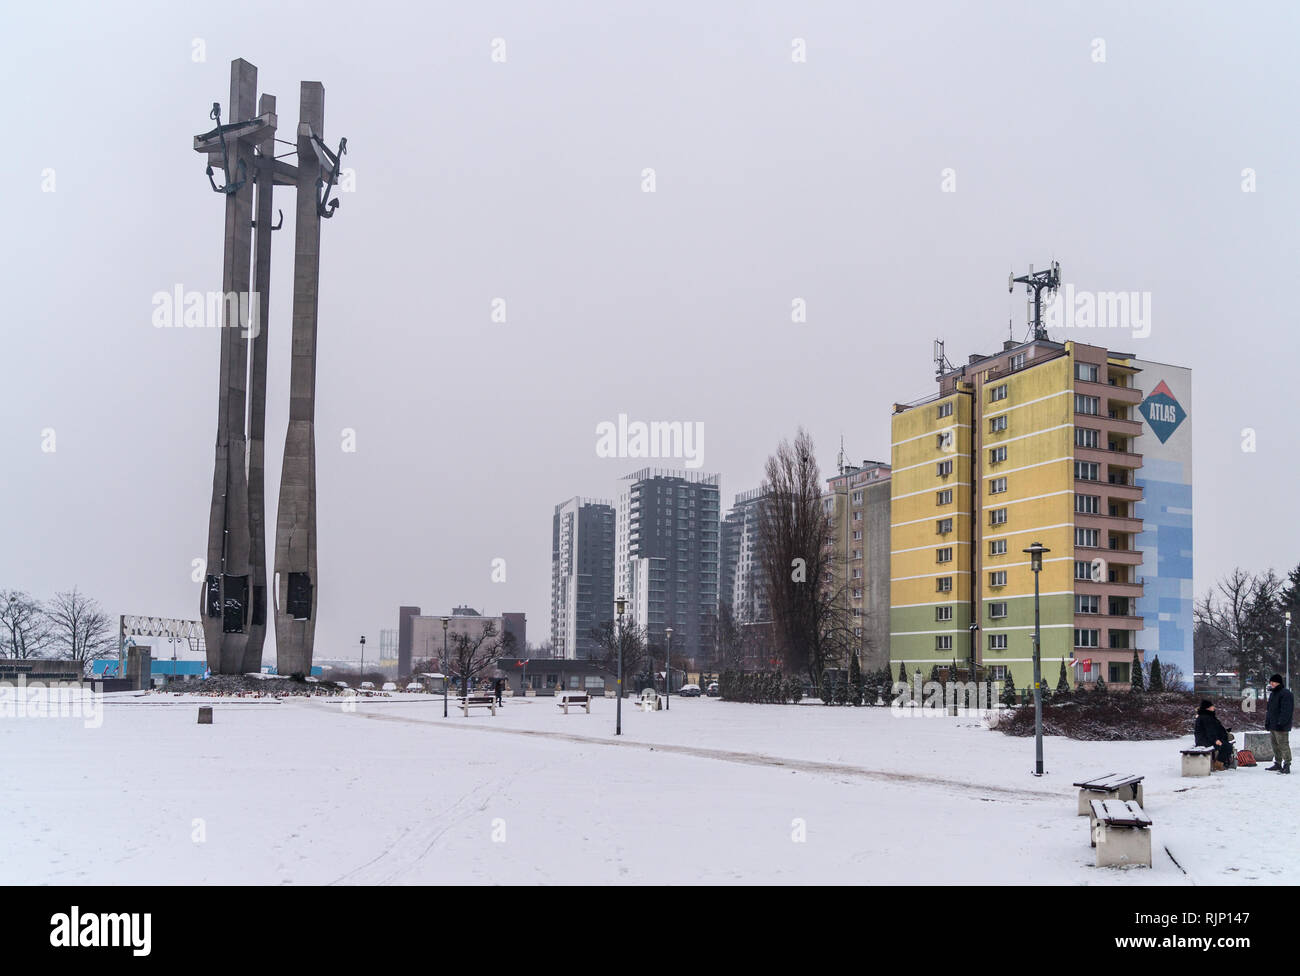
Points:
[[710, 792]]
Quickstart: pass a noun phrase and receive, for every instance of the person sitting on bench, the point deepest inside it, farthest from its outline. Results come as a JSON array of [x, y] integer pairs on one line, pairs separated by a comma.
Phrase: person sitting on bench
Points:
[[1209, 731]]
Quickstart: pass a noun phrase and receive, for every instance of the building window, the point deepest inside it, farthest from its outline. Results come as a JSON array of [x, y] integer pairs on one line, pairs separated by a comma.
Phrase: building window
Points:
[[945, 526], [998, 424], [945, 410], [943, 555], [998, 455], [1087, 504], [944, 497], [997, 486], [1018, 361], [997, 610], [1082, 569], [998, 672], [943, 441], [1086, 470], [997, 642], [1086, 638], [1086, 603], [943, 613], [998, 547], [1086, 437], [943, 642], [945, 468], [998, 578], [943, 584], [1087, 538], [1086, 372], [998, 516], [1090, 405], [998, 393]]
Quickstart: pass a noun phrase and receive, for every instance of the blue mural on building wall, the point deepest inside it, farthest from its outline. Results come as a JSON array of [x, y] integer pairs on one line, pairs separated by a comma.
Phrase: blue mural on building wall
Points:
[[1166, 512]]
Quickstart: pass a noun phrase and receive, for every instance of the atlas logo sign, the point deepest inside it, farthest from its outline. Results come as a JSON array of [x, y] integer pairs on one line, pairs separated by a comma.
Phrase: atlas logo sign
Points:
[[1163, 412]]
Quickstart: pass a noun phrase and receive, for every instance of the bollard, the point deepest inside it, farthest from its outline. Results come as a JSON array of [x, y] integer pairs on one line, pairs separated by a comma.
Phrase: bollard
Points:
[[205, 714]]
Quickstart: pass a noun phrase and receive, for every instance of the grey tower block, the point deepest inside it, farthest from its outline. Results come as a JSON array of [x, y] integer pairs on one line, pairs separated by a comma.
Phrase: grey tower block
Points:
[[225, 593], [265, 177], [295, 532]]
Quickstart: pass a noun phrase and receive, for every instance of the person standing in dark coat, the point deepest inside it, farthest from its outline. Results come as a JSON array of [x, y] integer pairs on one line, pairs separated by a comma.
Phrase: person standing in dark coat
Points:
[[1277, 721], [1209, 731]]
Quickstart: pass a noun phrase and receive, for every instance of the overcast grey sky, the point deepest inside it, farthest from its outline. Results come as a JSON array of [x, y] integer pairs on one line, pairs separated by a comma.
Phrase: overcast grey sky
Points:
[[522, 180]]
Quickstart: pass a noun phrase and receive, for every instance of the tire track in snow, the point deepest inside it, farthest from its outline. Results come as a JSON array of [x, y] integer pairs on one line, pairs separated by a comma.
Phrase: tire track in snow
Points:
[[725, 755]]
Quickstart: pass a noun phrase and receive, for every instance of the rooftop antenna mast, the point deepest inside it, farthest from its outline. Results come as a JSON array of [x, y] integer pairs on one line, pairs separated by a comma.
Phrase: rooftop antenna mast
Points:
[[941, 364], [1036, 282]]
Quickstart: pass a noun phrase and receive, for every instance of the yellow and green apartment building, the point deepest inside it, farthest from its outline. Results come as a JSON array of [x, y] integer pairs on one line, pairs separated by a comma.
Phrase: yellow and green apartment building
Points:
[[1033, 444]]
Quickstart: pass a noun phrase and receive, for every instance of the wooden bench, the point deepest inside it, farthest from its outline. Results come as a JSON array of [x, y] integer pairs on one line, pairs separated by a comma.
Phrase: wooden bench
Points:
[[1198, 761], [478, 701], [1120, 832], [573, 699], [1112, 786]]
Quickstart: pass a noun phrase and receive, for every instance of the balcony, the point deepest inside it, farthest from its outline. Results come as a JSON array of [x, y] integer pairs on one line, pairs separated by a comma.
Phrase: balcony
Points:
[[1116, 557], [1125, 395], [1119, 426], [1119, 493], [1106, 588], [1104, 622], [1116, 622], [1117, 459], [1108, 523]]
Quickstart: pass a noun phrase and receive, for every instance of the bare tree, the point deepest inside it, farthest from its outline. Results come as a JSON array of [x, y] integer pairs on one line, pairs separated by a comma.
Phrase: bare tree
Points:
[[27, 629], [80, 627], [470, 656], [1220, 621], [609, 636], [796, 554]]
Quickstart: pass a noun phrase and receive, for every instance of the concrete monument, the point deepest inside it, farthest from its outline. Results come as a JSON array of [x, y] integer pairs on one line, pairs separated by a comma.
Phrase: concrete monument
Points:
[[233, 602]]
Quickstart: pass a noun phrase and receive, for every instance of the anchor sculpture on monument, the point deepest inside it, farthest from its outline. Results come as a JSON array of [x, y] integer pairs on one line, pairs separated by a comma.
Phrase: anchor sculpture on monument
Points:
[[233, 600]]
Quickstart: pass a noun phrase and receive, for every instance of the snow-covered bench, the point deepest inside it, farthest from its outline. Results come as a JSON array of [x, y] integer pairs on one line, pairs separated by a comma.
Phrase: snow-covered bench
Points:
[[649, 700], [1121, 833], [1112, 786], [478, 701], [1198, 760], [573, 699]]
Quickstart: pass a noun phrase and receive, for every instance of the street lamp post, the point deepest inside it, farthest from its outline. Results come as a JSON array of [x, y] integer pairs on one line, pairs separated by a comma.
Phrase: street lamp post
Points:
[[619, 606], [668, 669], [443, 668], [362, 674], [1035, 552], [1288, 650]]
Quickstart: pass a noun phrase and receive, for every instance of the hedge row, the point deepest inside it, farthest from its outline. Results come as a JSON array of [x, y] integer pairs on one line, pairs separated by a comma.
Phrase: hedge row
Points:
[[766, 687]]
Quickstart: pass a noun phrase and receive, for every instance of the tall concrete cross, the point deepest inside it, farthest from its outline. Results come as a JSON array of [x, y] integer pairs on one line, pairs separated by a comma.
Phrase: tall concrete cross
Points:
[[233, 602]]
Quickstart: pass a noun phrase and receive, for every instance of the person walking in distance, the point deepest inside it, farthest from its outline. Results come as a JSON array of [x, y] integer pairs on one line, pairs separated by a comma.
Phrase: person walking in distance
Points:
[[1277, 721]]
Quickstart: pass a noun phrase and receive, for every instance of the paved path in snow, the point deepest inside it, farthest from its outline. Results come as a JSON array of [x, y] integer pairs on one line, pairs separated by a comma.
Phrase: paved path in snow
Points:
[[725, 755]]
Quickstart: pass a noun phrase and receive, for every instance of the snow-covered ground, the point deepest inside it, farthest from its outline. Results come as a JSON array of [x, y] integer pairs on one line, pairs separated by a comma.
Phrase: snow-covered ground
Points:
[[709, 792]]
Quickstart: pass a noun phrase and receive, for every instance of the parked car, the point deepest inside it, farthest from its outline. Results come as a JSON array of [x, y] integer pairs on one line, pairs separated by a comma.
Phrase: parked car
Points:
[[390, 686], [689, 691], [713, 691], [415, 686], [368, 684]]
